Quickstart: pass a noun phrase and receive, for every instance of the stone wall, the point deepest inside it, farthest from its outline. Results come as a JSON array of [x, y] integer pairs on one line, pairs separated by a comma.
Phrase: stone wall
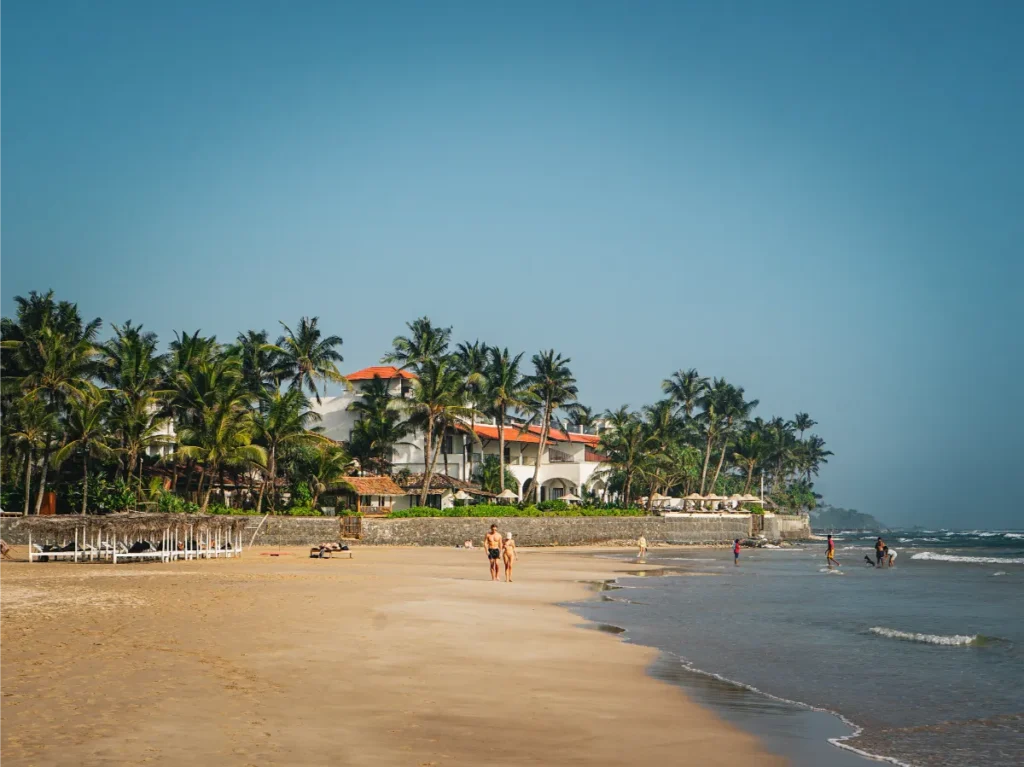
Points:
[[557, 531], [796, 527], [529, 531]]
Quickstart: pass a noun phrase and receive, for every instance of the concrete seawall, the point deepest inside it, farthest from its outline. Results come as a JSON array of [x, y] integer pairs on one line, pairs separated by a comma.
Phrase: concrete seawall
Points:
[[529, 531]]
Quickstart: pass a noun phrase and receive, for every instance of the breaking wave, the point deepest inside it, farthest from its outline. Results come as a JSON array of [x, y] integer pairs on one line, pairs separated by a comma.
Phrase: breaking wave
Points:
[[931, 555], [956, 640]]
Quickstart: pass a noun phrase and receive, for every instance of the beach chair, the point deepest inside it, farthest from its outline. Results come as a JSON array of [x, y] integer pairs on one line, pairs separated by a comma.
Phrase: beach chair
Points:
[[5, 550]]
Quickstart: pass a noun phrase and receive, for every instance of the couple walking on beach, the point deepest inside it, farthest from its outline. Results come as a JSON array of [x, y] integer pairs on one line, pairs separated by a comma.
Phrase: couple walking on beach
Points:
[[503, 548]]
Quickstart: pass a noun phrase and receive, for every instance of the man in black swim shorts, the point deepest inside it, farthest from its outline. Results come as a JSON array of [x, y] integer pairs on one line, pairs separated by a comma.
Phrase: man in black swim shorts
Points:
[[492, 542]]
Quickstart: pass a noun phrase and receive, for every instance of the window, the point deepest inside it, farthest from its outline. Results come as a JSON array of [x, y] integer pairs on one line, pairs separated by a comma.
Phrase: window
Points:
[[449, 444], [508, 454], [557, 492]]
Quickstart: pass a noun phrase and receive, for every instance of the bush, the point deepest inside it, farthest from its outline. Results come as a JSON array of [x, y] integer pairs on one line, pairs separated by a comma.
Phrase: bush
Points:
[[168, 503], [553, 505], [486, 510], [302, 511]]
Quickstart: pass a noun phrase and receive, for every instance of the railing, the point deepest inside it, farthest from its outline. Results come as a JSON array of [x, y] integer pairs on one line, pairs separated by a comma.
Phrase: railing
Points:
[[557, 456], [592, 456]]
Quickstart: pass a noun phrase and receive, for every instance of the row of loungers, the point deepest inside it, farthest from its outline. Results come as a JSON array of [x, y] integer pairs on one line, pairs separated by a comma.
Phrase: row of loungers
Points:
[[171, 547]]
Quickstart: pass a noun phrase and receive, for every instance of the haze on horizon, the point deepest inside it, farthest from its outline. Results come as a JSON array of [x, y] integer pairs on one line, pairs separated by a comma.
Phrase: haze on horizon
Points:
[[823, 203]]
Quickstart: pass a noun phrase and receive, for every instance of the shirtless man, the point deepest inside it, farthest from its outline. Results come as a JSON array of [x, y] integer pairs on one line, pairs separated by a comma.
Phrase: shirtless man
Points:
[[508, 556], [492, 542]]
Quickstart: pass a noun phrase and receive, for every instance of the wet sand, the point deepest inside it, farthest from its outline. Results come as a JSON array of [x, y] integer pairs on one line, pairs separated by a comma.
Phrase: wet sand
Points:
[[400, 656]]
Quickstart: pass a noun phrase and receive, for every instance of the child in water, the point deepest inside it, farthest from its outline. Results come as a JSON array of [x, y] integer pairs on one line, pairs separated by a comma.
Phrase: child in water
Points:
[[736, 552]]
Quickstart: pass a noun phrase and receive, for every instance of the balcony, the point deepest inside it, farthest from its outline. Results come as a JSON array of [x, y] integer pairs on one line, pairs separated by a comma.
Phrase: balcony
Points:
[[557, 456]]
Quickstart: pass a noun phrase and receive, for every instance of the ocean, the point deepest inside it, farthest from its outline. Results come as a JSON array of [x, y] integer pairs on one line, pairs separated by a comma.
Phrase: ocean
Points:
[[919, 664]]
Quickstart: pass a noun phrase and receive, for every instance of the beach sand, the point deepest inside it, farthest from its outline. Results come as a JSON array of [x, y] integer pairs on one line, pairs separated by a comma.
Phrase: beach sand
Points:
[[400, 656]]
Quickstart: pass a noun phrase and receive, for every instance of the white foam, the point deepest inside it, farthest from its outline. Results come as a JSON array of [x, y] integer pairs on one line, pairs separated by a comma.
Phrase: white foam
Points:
[[1017, 536], [999, 572], [955, 640], [931, 555]]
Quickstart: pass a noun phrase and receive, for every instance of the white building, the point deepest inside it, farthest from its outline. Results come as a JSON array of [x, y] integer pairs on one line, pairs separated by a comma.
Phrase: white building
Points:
[[567, 465]]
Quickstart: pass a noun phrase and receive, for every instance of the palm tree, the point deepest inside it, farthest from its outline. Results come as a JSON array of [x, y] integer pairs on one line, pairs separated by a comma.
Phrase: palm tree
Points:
[[748, 451], [685, 388], [438, 399], [489, 475], [506, 388], [425, 343], [283, 420], [814, 454], [140, 426], [87, 434], [551, 387], [581, 417], [218, 422], [307, 357], [471, 360], [802, 422], [379, 428], [262, 366], [332, 462], [736, 410], [712, 402], [35, 424], [627, 447]]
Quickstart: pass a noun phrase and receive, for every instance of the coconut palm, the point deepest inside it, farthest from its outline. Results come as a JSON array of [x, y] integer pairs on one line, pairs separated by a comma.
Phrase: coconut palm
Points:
[[802, 422], [308, 357], [581, 417], [628, 447], [425, 343], [748, 452], [438, 399], [506, 389], [262, 365], [283, 420], [735, 411], [332, 462], [379, 428], [712, 402], [35, 423], [86, 434], [550, 388], [471, 360], [685, 388]]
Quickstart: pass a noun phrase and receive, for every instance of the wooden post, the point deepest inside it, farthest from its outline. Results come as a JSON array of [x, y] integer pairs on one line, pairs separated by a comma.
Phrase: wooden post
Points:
[[113, 550], [30, 545], [76, 544]]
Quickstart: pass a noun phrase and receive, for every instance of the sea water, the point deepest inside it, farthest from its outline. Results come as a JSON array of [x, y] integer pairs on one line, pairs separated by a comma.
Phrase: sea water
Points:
[[922, 663]]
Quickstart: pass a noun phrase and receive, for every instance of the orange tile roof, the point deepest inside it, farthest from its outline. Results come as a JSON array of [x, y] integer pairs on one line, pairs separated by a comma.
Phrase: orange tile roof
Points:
[[387, 372], [557, 435], [511, 434]]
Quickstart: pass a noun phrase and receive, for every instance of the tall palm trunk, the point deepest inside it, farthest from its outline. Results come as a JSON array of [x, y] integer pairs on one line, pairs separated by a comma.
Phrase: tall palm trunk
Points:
[[535, 488], [501, 451], [721, 459], [427, 466], [707, 460], [750, 478], [259, 499], [443, 435], [28, 482], [199, 487], [42, 479], [272, 478], [85, 482]]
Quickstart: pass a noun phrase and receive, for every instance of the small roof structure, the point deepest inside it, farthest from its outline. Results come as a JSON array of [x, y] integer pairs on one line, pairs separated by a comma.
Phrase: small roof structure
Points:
[[658, 496], [715, 498], [387, 372], [571, 498], [735, 497], [506, 493], [370, 485], [439, 483], [693, 497], [462, 495], [752, 498]]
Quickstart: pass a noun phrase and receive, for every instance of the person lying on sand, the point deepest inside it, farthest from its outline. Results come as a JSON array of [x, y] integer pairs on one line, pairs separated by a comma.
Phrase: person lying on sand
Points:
[[508, 556]]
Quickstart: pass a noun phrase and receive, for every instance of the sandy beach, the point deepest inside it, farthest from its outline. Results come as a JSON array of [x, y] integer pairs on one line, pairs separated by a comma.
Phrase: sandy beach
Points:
[[399, 656]]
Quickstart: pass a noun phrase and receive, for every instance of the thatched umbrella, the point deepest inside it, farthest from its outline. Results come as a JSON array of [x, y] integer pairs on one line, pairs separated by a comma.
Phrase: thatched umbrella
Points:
[[507, 495], [570, 498]]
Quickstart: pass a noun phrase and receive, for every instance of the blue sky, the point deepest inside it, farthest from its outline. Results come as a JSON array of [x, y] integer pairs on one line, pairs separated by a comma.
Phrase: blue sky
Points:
[[822, 202]]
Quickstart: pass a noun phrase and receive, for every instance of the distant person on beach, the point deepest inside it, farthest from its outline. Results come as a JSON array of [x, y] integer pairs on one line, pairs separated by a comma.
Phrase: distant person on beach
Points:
[[642, 545], [736, 552], [892, 555], [879, 552], [508, 556], [492, 542], [830, 556]]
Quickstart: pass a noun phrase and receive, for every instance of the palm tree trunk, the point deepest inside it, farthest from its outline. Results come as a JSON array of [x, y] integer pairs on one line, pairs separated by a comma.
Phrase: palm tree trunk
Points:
[[259, 499], [174, 477], [501, 450], [188, 477], [750, 478], [28, 483], [445, 452], [707, 460], [42, 480], [625, 490], [472, 431], [199, 487], [206, 497], [272, 476], [427, 437], [85, 482], [721, 460], [535, 488]]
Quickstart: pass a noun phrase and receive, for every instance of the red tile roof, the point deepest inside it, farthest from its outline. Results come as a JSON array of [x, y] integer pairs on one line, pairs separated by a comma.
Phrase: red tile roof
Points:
[[387, 372], [556, 435], [511, 434], [370, 485]]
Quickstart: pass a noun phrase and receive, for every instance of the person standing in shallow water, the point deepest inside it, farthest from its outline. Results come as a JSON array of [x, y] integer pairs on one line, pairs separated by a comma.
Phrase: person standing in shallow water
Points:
[[492, 543], [642, 546], [508, 556], [736, 552], [830, 556]]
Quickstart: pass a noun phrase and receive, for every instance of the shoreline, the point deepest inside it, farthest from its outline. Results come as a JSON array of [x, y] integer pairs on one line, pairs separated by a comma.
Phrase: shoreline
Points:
[[666, 658], [399, 656]]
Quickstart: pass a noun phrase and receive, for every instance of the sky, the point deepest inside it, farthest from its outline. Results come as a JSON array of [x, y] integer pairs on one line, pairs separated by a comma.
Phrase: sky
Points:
[[821, 202]]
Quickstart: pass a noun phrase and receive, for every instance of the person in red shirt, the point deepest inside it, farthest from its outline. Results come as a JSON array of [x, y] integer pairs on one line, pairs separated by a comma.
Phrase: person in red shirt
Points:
[[830, 557], [736, 552]]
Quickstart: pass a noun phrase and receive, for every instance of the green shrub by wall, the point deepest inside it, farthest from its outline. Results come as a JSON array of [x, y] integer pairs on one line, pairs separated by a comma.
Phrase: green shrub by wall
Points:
[[484, 510]]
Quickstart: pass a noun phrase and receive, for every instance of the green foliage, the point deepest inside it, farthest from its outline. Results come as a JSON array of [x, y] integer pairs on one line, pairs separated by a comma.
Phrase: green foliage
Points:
[[105, 496], [553, 505], [169, 503], [487, 475], [301, 496], [486, 510], [302, 511]]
